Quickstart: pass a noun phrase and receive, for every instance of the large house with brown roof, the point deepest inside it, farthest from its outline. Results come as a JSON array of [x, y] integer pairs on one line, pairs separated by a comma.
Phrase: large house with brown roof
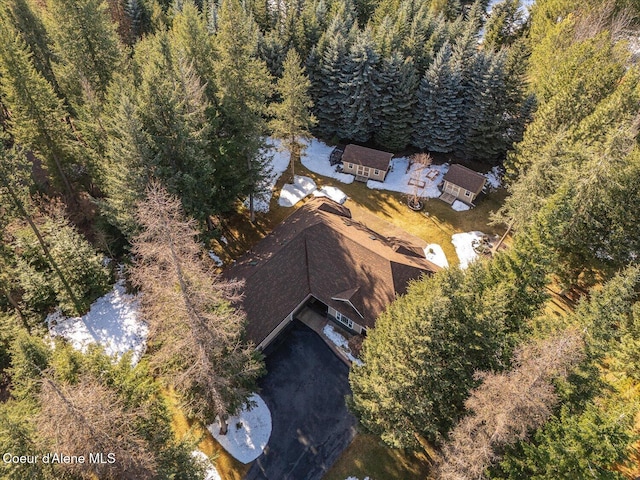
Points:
[[320, 254], [461, 183], [366, 163]]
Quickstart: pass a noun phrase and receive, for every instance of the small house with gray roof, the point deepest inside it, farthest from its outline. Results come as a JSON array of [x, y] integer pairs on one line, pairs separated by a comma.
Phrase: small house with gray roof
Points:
[[321, 255]]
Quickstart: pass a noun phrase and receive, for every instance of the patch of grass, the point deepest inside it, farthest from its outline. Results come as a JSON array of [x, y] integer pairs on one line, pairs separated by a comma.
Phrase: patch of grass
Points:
[[381, 210], [367, 456], [228, 467]]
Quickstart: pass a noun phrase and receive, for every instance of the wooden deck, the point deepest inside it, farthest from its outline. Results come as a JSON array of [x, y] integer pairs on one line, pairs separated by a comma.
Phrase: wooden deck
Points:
[[360, 178], [448, 198]]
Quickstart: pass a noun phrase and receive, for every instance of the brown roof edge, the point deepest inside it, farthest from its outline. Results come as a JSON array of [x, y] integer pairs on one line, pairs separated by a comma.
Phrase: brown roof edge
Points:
[[367, 157], [465, 177]]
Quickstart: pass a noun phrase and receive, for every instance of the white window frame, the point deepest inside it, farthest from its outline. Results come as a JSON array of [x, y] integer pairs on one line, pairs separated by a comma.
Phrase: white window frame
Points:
[[344, 320], [467, 193], [376, 172]]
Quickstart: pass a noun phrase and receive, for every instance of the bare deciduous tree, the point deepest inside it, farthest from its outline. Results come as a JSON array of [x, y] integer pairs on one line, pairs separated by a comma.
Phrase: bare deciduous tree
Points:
[[196, 333], [88, 418], [508, 405]]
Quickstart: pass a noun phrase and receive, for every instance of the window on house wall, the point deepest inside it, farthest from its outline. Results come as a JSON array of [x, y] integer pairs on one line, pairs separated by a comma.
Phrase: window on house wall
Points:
[[467, 193], [344, 320], [376, 172]]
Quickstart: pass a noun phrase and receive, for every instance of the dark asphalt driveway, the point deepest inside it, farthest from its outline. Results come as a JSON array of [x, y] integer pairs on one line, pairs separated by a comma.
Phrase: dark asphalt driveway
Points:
[[304, 388]]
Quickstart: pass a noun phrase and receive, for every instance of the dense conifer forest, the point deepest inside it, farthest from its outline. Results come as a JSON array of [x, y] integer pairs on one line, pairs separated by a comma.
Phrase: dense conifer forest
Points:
[[130, 129]]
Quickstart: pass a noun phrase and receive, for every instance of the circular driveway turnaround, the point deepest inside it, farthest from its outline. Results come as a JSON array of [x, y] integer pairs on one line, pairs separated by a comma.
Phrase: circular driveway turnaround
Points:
[[304, 388]]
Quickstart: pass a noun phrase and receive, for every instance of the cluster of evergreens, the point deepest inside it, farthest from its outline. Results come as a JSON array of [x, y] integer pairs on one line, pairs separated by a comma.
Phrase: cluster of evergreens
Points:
[[101, 98], [472, 366]]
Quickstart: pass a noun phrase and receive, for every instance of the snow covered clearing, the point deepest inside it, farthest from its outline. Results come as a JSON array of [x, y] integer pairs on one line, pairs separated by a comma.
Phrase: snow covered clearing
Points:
[[293, 193], [494, 178], [333, 193], [112, 322], [316, 159], [340, 342], [459, 206], [398, 178], [434, 253], [248, 433], [356, 478], [215, 258], [277, 161], [211, 473], [463, 242]]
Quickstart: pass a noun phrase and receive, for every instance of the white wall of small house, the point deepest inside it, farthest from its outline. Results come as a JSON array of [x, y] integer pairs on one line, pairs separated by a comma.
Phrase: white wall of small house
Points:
[[459, 192], [356, 327], [363, 171]]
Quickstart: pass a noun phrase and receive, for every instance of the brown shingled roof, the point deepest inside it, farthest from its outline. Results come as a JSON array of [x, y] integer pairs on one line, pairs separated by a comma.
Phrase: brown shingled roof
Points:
[[319, 250], [466, 178], [367, 157]]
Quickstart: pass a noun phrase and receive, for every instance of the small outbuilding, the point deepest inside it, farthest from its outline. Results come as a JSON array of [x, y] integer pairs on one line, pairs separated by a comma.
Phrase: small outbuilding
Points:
[[461, 183], [366, 163]]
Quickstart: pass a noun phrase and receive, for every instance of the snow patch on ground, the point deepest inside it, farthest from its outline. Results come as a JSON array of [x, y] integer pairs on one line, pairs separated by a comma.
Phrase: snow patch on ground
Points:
[[494, 178], [316, 158], [398, 178], [356, 478], [277, 160], [112, 321], [434, 253], [215, 258], [459, 206], [463, 242], [210, 473], [248, 433], [333, 193], [293, 193], [340, 342]]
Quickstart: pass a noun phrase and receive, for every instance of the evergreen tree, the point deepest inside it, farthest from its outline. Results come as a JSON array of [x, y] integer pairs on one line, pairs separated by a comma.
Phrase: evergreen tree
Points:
[[484, 135], [420, 360], [438, 106], [504, 24], [358, 89], [139, 18], [328, 96], [86, 46], [292, 118], [14, 193], [243, 87], [25, 20], [37, 118], [125, 168], [172, 108], [394, 111]]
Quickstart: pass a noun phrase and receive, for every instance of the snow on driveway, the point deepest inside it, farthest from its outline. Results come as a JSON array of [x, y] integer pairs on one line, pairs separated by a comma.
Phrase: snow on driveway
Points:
[[434, 253], [463, 242], [112, 321], [398, 178], [293, 193], [316, 159], [248, 433], [210, 473]]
